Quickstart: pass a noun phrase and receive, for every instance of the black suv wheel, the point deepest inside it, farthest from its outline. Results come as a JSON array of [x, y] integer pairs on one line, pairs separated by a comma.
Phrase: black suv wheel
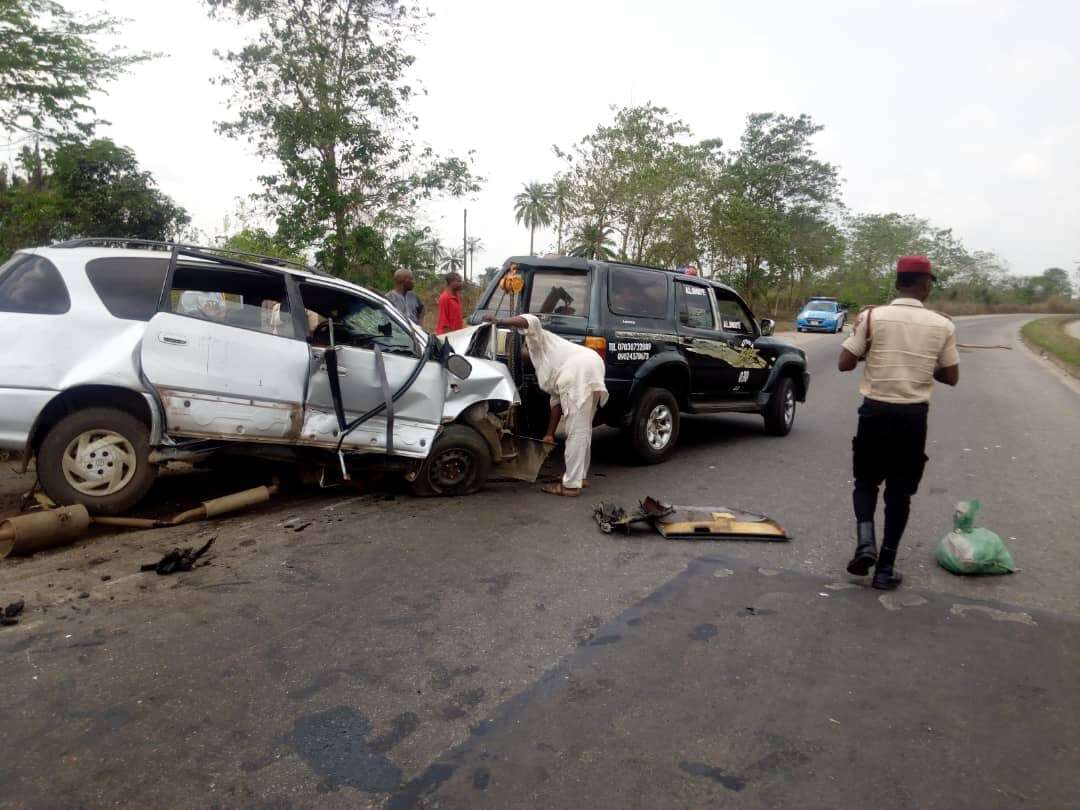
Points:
[[780, 412], [654, 425]]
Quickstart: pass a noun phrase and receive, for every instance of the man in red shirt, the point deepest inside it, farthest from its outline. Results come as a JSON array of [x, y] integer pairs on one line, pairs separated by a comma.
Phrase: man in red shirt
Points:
[[450, 306]]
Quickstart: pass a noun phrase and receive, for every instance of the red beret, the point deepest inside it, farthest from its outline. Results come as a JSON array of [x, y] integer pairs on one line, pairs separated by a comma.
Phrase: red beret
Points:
[[915, 264]]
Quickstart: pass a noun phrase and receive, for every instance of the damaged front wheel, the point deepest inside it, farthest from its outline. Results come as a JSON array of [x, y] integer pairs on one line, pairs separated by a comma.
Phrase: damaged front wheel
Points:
[[459, 464]]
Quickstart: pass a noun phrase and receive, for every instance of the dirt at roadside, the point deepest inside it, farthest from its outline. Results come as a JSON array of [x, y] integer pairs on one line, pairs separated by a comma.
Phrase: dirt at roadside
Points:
[[13, 485]]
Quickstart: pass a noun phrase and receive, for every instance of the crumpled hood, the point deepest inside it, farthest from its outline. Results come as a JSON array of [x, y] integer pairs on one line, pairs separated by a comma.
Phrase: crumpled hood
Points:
[[462, 339], [489, 380]]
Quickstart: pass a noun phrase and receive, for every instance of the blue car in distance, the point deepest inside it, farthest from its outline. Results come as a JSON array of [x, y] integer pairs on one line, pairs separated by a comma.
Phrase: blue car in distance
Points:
[[821, 315]]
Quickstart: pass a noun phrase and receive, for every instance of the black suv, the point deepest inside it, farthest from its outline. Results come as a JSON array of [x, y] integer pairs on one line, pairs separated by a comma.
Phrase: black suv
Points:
[[671, 344]]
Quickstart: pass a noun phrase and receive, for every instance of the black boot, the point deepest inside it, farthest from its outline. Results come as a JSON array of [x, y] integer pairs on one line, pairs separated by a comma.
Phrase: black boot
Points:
[[865, 550], [886, 578]]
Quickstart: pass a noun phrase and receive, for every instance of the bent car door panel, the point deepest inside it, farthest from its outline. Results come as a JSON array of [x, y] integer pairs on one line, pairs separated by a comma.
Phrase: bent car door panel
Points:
[[221, 381], [417, 413]]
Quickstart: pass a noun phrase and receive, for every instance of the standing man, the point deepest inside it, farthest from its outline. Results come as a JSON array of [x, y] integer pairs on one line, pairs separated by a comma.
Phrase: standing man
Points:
[[906, 347], [403, 298], [573, 376], [450, 306]]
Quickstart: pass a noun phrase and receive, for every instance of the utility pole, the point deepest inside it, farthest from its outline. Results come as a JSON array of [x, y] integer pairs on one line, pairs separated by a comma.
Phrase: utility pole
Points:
[[465, 244]]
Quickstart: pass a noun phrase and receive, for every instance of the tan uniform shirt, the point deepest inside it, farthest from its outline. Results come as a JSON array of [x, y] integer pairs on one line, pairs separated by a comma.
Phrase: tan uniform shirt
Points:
[[907, 342]]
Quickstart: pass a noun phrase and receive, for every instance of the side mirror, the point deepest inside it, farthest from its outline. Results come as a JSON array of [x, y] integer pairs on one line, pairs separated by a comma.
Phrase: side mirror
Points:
[[457, 365], [767, 326]]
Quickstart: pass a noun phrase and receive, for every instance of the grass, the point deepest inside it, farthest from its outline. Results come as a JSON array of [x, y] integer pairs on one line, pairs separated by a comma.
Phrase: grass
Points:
[[1049, 335]]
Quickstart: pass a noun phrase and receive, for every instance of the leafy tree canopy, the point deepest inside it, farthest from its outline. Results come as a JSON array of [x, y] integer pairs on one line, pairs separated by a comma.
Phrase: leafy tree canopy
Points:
[[92, 189], [322, 92], [50, 65]]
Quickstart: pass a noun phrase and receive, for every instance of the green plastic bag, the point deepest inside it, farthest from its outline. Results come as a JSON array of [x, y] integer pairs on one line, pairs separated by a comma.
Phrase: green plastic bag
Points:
[[968, 549]]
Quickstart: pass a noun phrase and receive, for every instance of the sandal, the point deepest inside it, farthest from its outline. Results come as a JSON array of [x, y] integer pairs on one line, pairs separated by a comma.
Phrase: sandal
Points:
[[559, 489]]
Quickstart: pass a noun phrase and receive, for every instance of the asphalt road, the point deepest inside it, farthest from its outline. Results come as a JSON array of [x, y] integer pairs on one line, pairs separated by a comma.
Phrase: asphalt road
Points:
[[344, 650]]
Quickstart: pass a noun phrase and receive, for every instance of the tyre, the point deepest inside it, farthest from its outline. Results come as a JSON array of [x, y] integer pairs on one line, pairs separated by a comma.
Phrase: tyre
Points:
[[98, 457], [780, 412], [459, 464], [840, 325], [654, 425]]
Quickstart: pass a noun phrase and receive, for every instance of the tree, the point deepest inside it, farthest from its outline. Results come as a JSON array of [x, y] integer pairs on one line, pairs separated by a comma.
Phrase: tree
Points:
[[639, 176], [561, 191], [322, 93], [409, 249], [50, 66], [772, 181], [434, 248], [532, 208], [488, 274], [453, 261], [1056, 283], [93, 189], [593, 242], [260, 242], [475, 245], [876, 241]]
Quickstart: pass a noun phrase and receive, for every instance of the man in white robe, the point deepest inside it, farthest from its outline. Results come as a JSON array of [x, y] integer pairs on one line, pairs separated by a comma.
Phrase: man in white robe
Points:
[[573, 376]]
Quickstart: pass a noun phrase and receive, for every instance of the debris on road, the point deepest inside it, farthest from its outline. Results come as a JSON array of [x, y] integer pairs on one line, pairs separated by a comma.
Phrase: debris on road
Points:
[[178, 560], [969, 549], [10, 614], [27, 534], [690, 522]]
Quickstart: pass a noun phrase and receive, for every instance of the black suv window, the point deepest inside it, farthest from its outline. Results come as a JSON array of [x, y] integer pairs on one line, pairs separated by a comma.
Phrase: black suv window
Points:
[[638, 293], [695, 306], [32, 285], [564, 294], [129, 286], [733, 317]]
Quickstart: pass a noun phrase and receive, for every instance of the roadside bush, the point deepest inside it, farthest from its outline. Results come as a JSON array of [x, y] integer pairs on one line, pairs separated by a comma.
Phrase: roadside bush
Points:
[[1049, 334]]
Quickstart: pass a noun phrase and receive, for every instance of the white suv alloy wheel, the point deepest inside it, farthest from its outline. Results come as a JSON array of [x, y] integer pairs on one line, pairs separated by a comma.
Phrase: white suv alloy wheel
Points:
[[99, 462]]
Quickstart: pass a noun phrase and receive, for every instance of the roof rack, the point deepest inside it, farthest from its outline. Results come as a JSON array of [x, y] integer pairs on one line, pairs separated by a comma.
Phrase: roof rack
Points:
[[195, 251]]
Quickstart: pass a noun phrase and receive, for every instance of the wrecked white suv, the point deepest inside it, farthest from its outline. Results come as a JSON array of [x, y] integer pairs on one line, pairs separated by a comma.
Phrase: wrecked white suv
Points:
[[118, 356]]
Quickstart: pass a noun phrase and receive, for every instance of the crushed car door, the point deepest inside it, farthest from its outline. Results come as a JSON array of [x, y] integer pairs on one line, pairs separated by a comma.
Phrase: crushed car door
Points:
[[223, 357], [360, 324]]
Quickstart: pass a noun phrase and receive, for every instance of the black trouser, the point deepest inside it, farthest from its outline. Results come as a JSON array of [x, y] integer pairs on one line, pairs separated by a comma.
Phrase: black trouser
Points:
[[890, 447]]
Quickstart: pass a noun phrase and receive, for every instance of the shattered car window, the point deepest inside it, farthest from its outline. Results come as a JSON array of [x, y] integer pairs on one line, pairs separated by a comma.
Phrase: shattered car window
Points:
[[248, 299], [358, 322]]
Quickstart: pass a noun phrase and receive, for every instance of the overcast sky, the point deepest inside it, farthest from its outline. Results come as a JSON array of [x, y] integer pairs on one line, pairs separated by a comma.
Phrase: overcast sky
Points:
[[962, 111]]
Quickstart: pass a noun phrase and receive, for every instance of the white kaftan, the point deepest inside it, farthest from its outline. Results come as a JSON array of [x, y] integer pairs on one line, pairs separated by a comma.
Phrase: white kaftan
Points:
[[573, 376]]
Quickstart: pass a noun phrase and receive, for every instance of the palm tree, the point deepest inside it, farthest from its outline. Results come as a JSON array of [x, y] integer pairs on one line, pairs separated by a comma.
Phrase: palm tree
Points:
[[475, 245], [410, 249], [560, 201], [453, 261], [593, 242], [435, 249], [532, 207]]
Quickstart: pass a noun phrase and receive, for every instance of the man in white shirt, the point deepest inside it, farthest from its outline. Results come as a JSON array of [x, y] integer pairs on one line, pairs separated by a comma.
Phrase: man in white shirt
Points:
[[573, 376], [906, 348]]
